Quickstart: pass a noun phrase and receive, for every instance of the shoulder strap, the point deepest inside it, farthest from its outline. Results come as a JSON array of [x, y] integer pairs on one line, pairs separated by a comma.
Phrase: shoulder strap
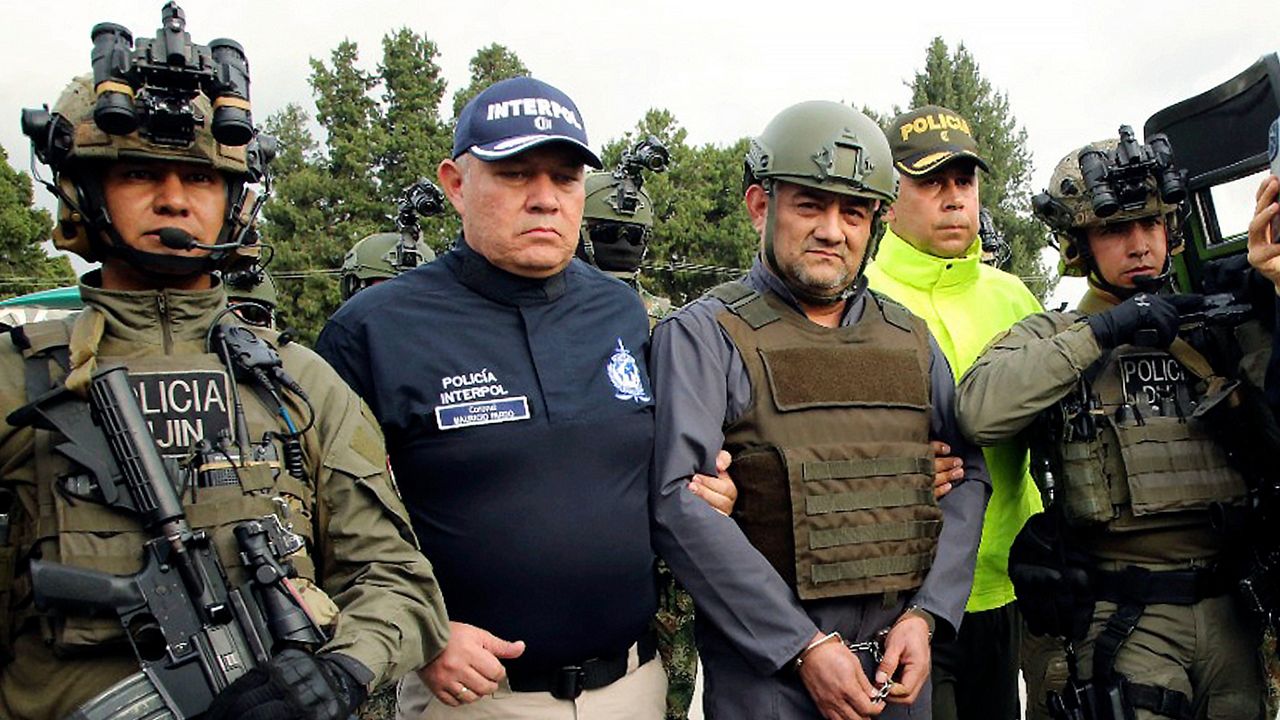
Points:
[[42, 342], [894, 313], [746, 303]]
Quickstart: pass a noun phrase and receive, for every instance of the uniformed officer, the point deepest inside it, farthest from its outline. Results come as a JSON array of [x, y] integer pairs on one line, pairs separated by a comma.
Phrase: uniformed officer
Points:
[[826, 396], [515, 398], [617, 224], [1125, 561], [253, 296], [147, 203], [930, 260], [378, 257], [617, 220]]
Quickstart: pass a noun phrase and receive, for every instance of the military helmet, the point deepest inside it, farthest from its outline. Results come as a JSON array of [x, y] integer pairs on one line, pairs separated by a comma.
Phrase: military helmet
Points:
[[256, 288], [379, 257], [617, 221], [602, 201], [827, 146], [71, 143], [1068, 208]]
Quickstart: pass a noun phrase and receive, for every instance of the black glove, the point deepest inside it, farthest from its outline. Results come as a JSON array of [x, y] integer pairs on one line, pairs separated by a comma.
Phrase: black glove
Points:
[[294, 686], [1122, 324], [1054, 594]]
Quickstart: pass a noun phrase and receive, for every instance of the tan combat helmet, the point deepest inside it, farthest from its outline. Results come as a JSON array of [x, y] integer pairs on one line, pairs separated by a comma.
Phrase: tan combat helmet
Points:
[[145, 104], [1107, 182]]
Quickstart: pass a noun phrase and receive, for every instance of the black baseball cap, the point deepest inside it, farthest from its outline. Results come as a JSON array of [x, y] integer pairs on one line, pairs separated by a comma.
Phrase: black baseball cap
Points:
[[929, 137], [515, 115]]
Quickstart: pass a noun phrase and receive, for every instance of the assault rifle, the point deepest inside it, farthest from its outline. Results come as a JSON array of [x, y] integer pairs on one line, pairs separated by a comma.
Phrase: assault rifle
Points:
[[193, 632]]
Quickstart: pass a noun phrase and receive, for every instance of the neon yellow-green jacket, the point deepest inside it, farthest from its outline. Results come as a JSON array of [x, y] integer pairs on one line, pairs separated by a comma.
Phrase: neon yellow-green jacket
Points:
[[966, 304]]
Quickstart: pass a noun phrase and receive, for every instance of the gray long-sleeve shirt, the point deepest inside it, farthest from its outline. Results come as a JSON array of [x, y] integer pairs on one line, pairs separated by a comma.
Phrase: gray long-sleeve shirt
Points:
[[701, 385]]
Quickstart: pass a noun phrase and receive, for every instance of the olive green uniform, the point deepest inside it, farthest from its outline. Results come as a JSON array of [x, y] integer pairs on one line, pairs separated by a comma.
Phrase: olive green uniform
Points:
[[360, 572], [1206, 650]]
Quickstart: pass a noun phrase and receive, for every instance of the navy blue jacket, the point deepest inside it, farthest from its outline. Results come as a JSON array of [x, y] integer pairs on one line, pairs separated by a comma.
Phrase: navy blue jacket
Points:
[[519, 423]]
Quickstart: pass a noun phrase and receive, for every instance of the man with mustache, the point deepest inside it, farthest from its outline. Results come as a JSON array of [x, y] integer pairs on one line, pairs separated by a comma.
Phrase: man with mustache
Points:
[[1141, 439], [930, 260], [826, 396]]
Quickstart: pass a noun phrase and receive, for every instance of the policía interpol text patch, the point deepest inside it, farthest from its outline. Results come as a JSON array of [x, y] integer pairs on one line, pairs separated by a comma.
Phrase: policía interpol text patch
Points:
[[182, 407]]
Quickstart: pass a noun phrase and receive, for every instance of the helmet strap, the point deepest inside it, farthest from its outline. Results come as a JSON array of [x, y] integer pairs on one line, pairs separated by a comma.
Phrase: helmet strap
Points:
[[1154, 283], [799, 291], [177, 267]]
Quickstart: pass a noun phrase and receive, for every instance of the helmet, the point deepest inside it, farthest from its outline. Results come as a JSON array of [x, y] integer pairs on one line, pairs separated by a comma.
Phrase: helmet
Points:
[[827, 146], [378, 257], [617, 221], [257, 288], [1070, 205], [74, 147]]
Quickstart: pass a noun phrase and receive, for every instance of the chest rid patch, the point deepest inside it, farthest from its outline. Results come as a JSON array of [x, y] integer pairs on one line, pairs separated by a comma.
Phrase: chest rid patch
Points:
[[1152, 378], [184, 406]]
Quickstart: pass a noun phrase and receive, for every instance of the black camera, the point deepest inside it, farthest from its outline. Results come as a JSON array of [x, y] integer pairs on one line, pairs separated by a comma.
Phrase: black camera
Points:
[[149, 85], [1117, 179]]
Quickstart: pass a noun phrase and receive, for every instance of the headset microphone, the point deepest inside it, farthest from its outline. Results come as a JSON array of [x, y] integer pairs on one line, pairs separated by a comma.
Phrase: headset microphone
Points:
[[178, 239]]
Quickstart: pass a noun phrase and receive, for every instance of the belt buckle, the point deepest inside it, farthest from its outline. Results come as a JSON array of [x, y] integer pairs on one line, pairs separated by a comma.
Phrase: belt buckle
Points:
[[568, 681]]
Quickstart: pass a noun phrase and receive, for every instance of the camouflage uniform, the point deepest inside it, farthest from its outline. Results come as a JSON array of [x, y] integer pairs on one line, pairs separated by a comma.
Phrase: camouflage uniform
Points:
[[617, 209]]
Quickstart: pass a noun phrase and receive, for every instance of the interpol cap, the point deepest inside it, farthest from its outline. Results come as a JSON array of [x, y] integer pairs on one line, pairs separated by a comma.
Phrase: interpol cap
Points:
[[927, 138], [515, 115]]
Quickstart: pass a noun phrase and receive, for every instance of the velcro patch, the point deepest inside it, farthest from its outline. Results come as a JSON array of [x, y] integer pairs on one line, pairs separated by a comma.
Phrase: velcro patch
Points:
[[832, 376], [184, 406]]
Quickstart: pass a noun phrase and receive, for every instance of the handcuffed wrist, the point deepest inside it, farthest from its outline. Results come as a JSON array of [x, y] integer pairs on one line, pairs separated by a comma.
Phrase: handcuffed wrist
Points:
[[916, 611], [799, 661]]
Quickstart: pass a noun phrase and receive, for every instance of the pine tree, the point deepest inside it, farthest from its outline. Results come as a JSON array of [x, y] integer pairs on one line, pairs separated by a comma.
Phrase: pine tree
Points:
[[22, 229], [490, 64], [954, 80]]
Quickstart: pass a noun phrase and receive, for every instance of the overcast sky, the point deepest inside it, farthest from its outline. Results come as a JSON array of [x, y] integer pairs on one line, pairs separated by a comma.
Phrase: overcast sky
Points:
[[1073, 71]]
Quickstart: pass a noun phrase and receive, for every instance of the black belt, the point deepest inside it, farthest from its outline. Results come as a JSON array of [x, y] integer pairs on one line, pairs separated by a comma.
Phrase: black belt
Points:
[[568, 682], [1136, 585]]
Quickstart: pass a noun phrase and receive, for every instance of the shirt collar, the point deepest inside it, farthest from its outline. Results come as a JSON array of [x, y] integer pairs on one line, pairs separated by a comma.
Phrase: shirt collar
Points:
[[761, 279], [475, 272], [902, 261]]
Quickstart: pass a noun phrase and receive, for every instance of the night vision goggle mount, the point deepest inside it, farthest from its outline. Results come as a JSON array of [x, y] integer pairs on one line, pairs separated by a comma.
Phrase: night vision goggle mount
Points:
[[648, 154], [1116, 180], [421, 199], [149, 86]]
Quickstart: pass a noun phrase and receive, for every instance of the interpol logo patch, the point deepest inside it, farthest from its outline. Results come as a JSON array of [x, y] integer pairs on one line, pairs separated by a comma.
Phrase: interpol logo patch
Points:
[[1152, 378], [182, 407]]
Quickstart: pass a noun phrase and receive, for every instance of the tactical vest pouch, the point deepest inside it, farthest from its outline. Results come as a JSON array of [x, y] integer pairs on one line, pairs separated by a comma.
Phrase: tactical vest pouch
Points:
[[97, 537], [1086, 499], [811, 377], [1172, 466], [861, 526]]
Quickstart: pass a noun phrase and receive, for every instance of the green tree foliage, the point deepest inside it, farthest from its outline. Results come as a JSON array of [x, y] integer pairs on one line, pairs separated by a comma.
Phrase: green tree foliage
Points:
[[382, 131], [490, 64], [954, 80], [699, 215], [26, 267]]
